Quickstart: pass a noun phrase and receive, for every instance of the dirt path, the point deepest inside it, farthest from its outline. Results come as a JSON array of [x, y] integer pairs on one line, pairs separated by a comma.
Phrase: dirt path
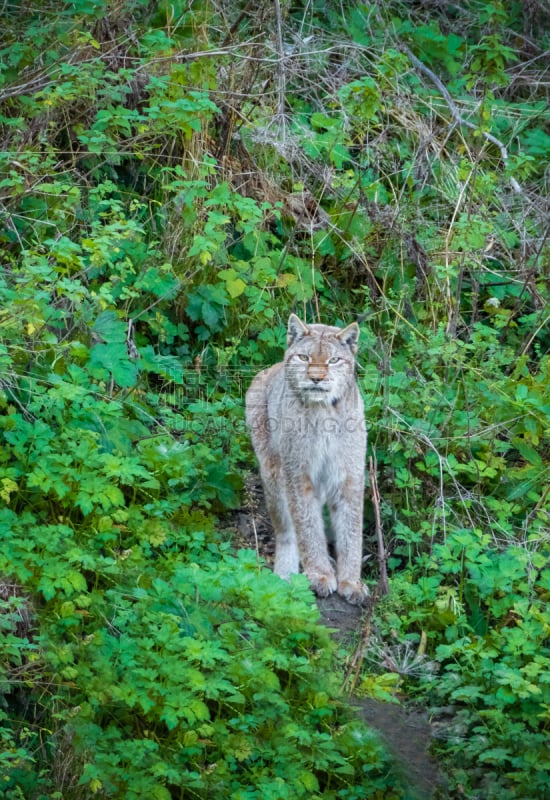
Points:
[[405, 730], [407, 735]]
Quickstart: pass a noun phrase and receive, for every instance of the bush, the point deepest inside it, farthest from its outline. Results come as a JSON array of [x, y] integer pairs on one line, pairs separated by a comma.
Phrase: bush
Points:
[[175, 179]]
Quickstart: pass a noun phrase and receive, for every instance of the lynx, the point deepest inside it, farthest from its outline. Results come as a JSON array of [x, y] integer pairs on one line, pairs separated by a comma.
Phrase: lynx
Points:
[[307, 425]]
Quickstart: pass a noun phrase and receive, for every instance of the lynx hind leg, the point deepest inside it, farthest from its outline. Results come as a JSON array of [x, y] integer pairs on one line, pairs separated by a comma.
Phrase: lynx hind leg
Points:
[[287, 558]]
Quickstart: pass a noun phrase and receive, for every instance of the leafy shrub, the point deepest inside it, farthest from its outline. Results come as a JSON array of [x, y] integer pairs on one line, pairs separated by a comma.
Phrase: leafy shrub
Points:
[[175, 179], [459, 435], [209, 679]]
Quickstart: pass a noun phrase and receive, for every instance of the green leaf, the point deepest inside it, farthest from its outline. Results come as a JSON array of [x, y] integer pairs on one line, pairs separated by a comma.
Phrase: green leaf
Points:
[[235, 287], [158, 792], [495, 755], [157, 282], [528, 453], [110, 328], [113, 358], [326, 123]]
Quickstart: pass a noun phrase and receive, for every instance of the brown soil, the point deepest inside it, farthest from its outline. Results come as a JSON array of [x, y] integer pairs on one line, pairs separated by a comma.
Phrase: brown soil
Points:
[[404, 729]]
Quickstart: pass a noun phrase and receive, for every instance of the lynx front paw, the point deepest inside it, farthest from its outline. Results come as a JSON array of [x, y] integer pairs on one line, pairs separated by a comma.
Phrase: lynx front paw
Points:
[[355, 592], [322, 584]]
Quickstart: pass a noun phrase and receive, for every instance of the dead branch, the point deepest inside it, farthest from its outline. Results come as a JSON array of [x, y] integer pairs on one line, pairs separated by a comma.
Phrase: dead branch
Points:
[[356, 659], [457, 116], [383, 583], [280, 67]]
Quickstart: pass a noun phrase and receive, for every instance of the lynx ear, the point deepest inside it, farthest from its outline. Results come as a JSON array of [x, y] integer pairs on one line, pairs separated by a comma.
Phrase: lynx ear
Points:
[[296, 329], [350, 336]]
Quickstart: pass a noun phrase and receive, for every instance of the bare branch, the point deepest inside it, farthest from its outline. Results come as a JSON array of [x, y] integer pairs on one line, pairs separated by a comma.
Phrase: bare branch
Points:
[[280, 68], [383, 583], [457, 116]]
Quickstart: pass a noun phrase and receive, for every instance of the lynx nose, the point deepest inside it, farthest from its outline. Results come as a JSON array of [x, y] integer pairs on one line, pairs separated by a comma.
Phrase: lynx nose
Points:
[[317, 377]]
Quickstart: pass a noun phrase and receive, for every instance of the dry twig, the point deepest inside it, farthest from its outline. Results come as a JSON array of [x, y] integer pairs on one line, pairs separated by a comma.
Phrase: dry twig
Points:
[[457, 116], [355, 663], [383, 584]]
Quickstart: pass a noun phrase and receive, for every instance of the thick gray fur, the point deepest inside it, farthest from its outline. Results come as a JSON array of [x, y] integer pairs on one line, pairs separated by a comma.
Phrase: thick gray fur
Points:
[[307, 423]]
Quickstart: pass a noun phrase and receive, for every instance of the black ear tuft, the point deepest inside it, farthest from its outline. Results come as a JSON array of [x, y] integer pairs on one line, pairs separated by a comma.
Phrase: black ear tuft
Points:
[[350, 336], [296, 329]]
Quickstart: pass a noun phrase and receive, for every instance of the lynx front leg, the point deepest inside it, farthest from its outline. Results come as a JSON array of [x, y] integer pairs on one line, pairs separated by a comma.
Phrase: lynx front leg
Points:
[[307, 515], [347, 521]]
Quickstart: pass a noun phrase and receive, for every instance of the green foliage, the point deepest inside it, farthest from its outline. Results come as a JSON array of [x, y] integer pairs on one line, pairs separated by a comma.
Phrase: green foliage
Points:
[[209, 680], [460, 438], [174, 179]]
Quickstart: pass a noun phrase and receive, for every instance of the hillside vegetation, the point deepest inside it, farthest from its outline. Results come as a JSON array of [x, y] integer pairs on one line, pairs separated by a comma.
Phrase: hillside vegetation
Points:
[[175, 179]]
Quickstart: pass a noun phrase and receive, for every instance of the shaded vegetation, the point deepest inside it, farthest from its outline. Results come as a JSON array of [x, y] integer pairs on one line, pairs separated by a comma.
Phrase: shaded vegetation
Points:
[[174, 179]]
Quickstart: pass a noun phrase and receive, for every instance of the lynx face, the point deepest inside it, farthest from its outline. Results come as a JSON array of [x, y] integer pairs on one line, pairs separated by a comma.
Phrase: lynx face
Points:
[[319, 361]]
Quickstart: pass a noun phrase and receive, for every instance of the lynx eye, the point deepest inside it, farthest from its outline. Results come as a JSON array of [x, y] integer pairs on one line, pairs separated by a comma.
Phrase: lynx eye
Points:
[[303, 357], [334, 360]]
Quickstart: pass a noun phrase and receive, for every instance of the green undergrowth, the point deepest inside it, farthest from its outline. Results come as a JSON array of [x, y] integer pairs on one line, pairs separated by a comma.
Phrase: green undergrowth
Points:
[[461, 430], [173, 677], [174, 180]]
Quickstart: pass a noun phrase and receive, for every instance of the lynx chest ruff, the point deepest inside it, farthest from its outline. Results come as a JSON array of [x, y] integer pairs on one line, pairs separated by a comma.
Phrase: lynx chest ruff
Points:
[[307, 425]]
